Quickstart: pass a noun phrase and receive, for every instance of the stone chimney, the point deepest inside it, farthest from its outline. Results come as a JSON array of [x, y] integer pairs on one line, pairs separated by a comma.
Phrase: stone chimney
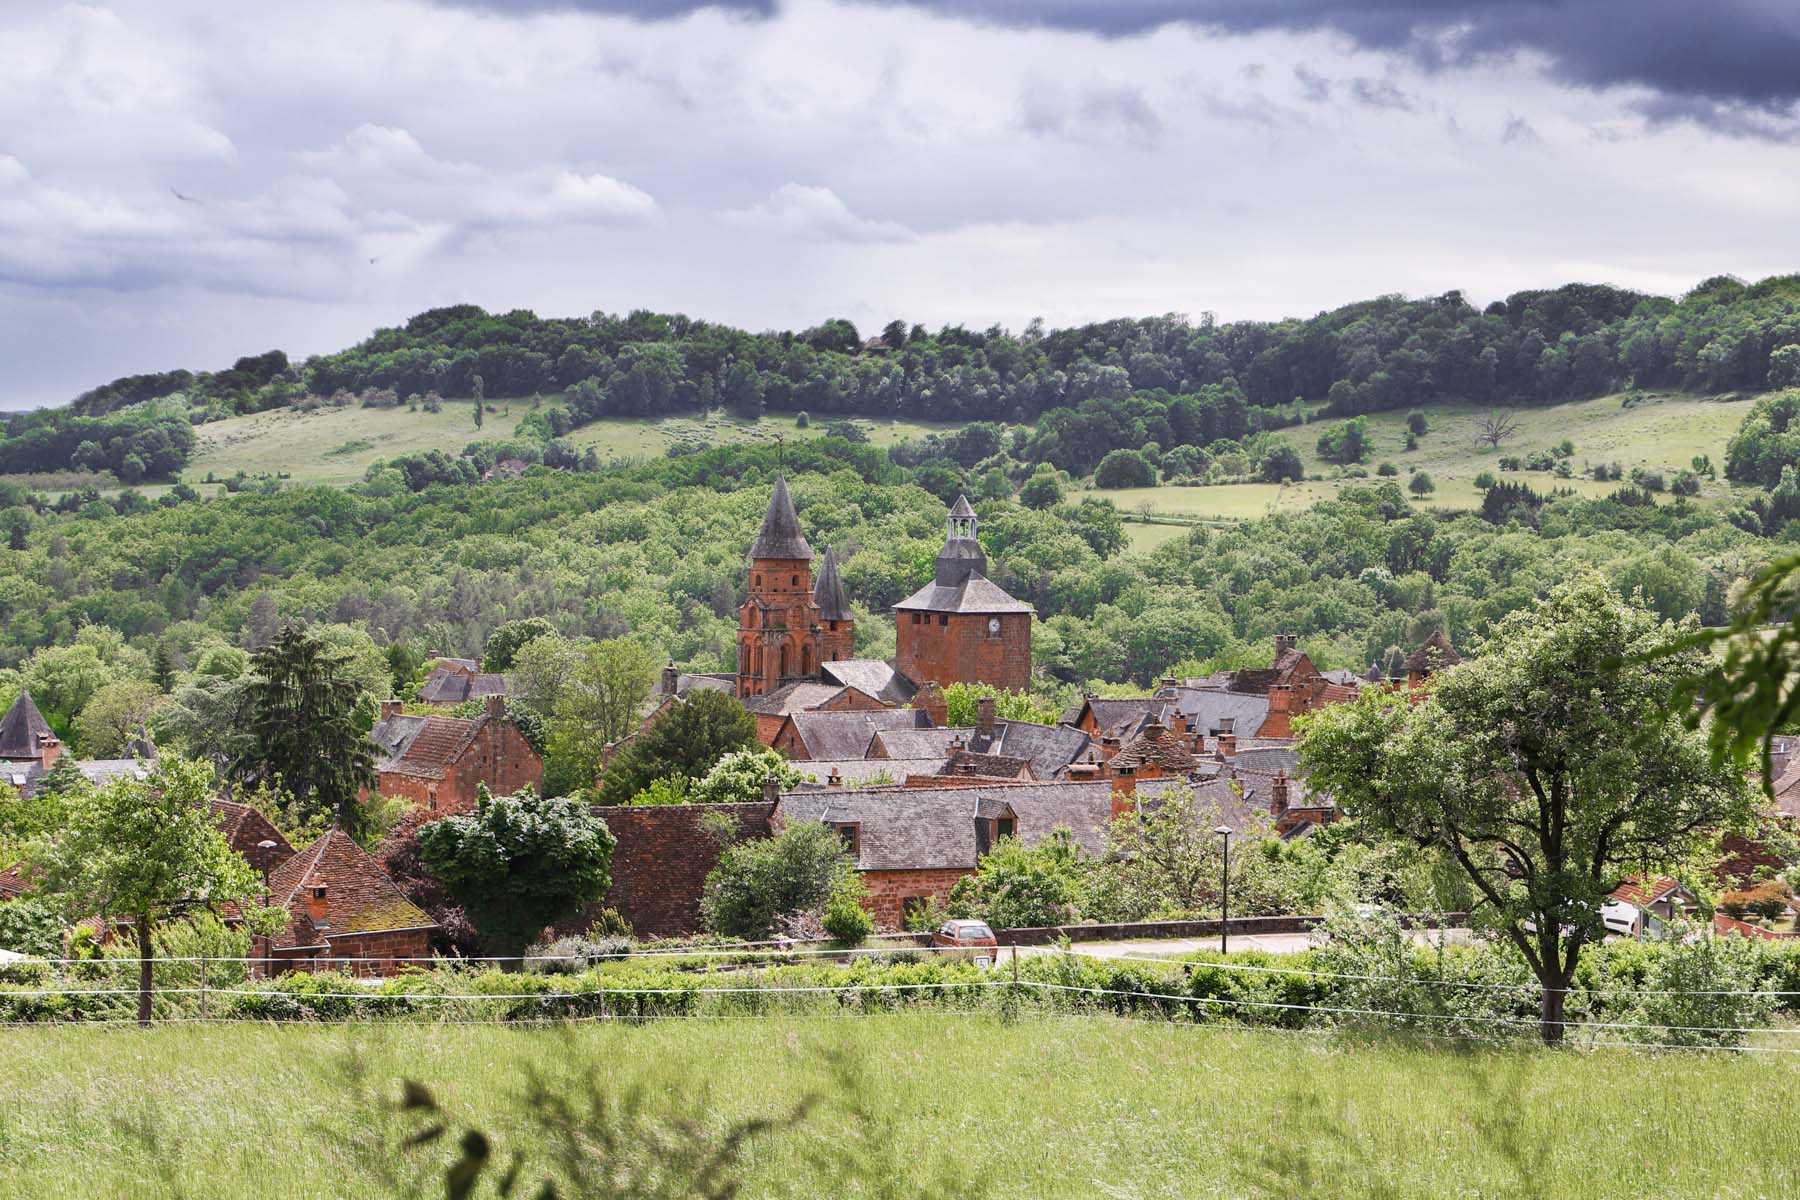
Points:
[[1169, 683], [1124, 797], [495, 707], [671, 680], [391, 708], [834, 779], [318, 903], [771, 788], [1285, 642], [49, 750], [1278, 794], [929, 699], [984, 717], [1281, 698], [1226, 745]]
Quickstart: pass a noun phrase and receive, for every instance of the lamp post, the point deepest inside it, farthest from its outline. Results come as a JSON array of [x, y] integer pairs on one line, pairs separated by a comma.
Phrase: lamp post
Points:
[[1224, 832]]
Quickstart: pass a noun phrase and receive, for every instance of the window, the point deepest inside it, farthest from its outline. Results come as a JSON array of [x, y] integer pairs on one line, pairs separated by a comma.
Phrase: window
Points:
[[912, 906], [944, 619], [833, 625], [795, 581], [850, 834], [1003, 827], [319, 892], [759, 581], [915, 618]]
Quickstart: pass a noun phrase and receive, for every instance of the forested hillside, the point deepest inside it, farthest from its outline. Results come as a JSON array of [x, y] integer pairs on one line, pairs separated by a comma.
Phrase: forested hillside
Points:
[[1206, 381], [656, 552]]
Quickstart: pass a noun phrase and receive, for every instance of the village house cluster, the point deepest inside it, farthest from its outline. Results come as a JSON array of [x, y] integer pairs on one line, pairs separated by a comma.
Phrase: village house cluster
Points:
[[916, 802]]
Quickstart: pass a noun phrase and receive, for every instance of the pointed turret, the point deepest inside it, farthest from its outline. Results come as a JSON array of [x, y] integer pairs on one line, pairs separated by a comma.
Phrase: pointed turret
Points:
[[23, 730], [780, 537], [961, 555], [828, 592]]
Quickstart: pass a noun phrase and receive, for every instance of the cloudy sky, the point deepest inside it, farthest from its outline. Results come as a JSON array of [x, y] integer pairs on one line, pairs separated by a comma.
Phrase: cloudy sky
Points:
[[185, 181]]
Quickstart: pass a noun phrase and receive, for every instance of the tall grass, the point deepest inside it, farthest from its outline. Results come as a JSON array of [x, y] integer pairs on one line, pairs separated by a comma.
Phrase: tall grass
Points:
[[911, 1104]]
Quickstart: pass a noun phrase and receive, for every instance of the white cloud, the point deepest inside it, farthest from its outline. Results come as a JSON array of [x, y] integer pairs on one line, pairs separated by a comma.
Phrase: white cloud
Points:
[[801, 210]]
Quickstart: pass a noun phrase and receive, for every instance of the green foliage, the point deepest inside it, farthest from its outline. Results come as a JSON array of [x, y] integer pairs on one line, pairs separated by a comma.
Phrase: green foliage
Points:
[[114, 716], [960, 700], [1421, 484], [308, 737], [1767, 441], [845, 918], [504, 643], [519, 862], [686, 739], [738, 777], [1017, 887], [1416, 424], [758, 883], [1550, 768], [1346, 443], [1043, 490], [597, 705], [29, 926], [1280, 463], [1124, 469]]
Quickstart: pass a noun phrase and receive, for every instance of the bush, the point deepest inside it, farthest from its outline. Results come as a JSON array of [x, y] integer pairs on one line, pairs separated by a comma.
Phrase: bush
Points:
[[573, 955], [759, 882], [1124, 469], [1416, 423], [1043, 490], [801, 420], [1387, 470], [845, 917], [1485, 480], [1281, 464], [1421, 484]]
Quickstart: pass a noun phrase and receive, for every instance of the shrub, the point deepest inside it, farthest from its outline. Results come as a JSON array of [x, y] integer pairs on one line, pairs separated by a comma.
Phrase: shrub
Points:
[[573, 955], [1387, 469], [757, 883], [1124, 469], [1421, 484], [801, 420], [1280, 463], [1485, 480], [845, 917], [1416, 423]]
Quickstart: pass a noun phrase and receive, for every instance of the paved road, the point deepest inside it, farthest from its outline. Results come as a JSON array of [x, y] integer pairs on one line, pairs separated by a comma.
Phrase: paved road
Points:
[[1272, 943]]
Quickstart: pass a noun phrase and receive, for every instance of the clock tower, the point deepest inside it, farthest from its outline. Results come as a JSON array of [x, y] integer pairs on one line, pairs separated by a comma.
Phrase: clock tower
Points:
[[962, 627]]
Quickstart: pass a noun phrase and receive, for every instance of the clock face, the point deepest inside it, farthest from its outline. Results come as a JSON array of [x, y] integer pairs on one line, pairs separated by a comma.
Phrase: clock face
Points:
[[993, 624]]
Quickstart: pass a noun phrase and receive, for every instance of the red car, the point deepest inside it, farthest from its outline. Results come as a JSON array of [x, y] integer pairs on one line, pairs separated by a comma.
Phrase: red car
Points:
[[972, 936]]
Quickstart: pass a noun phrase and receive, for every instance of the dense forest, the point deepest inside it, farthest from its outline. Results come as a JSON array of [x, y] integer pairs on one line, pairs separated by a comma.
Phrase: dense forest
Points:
[[1206, 381]]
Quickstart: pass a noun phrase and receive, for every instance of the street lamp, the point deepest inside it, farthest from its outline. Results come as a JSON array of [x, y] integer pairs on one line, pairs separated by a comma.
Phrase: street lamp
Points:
[[1224, 832]]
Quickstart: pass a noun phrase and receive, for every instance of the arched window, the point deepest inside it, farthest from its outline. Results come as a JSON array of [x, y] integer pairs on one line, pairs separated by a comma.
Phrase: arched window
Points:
[[806, 660], [784, 669]]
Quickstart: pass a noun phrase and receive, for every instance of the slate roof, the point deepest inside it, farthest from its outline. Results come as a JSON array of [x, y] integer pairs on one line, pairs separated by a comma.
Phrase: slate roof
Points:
[[992, 766], [455, 680], [1434, 654], [913, 829], [1123, 718], [975, 594], [1156, 746], [360, 895], [21, 729], [24, 777], [839, 735], [962, 507], [933, 743], [780, 536], [857, 772], [873, 677], [1208, 710], [1217, 803], [799, 696], [828, 591], [1267, 759], [1048, 748], [421, 746]]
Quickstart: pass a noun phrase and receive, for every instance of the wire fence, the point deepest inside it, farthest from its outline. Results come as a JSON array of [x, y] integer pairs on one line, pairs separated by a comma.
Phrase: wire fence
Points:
[[737, 984]]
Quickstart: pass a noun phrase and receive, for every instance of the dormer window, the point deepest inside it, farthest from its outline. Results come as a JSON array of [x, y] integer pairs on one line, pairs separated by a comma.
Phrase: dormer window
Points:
[[850, 833]]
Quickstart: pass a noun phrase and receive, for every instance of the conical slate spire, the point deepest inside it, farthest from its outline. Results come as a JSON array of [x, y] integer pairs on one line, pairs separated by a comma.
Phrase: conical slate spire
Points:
[[961, 508], [781, 537], [961, 555], [828, 591], [21, 728]]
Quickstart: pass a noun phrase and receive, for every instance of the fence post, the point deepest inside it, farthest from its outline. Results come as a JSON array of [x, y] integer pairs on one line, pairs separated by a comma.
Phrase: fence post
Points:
[[1015, 967], [203, 987]]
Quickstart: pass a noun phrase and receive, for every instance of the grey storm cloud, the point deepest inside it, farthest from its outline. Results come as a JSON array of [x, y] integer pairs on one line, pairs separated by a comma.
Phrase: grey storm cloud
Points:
[[1727, 64]]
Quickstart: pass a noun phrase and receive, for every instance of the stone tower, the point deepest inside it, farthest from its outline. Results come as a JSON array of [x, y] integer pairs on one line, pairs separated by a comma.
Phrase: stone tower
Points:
[[962, 627], [786, 627]]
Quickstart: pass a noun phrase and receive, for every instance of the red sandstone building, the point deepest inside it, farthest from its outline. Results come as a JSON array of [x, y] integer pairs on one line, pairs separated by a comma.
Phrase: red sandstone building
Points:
[[439, 762], [794, 629]]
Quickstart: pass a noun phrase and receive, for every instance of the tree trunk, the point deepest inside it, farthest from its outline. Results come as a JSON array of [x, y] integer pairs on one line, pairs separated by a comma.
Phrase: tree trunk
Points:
[[146, 970]]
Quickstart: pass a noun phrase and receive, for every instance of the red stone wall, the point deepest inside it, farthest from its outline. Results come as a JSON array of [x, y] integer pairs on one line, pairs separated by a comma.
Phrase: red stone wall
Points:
[[956, 648], [660, 864], [888, 891], [364, 955]]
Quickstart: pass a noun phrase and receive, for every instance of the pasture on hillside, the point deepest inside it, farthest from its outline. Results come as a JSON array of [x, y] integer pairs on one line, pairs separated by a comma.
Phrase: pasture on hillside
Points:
[[1658, 432], [916, 1105]]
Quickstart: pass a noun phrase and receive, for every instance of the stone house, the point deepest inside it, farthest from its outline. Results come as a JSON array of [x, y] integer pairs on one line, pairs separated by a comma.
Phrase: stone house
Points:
[[842, 734], [454, 680], [344, 913], [771, 709], [438, 763]]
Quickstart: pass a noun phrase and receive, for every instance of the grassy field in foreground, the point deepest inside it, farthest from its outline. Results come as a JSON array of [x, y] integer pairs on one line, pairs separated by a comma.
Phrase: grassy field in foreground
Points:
[[910, 1105], [1659, 433]]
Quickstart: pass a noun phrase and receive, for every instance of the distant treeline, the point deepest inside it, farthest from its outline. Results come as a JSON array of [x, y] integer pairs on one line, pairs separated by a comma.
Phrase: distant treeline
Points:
[[1200, 382]]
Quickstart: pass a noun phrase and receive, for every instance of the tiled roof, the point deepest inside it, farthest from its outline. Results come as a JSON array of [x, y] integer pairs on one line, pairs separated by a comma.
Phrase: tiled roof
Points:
[[799, 696], [360, 897], [1156, 746], [455, 680], [246, 829], [780, 536], [1434, 654], [848, 734], [1209, 710], [828, 591], [1723, 924], [908, 743], [992, 766], [1124, 718], [421, 746], [13, 882], [975, 594], [1644, 892], [1048, 748], [910, 829], [22, 728], [873, 677]]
